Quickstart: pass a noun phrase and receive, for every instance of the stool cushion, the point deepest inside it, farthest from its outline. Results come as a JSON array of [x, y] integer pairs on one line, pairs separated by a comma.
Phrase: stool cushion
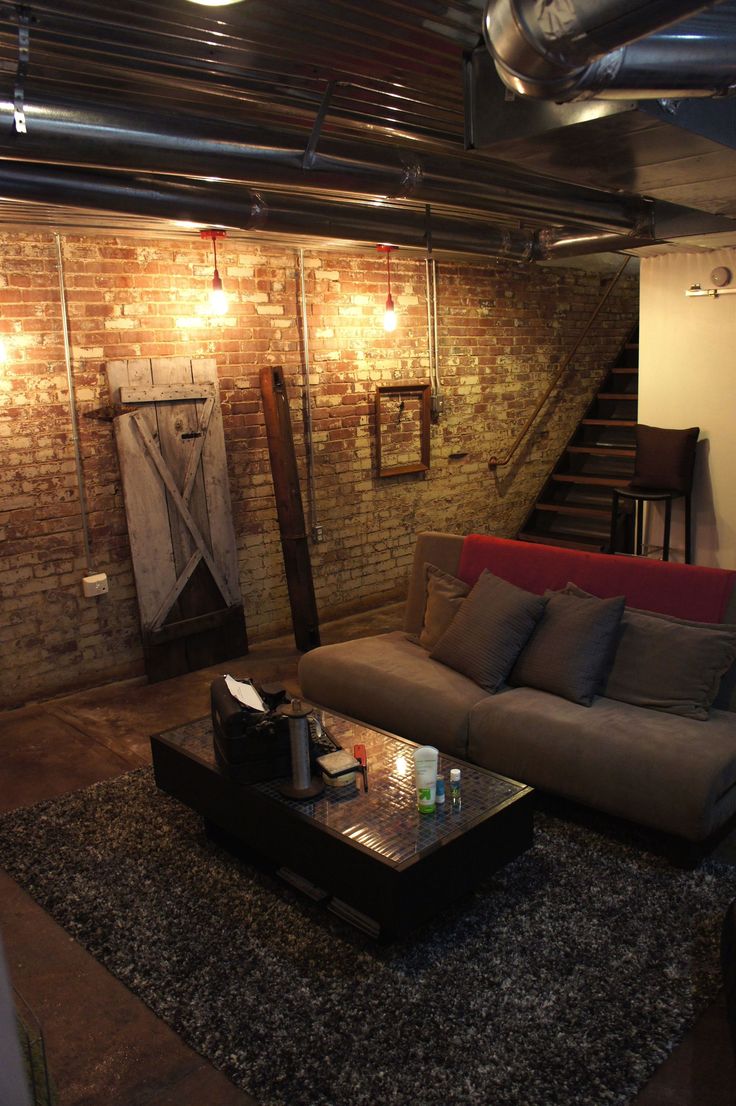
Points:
[[664, 458]]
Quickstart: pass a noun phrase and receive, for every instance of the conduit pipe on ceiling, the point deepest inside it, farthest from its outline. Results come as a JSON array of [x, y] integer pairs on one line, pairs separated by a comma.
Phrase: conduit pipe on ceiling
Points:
[[612, 49], [242, 209], [61, 132]]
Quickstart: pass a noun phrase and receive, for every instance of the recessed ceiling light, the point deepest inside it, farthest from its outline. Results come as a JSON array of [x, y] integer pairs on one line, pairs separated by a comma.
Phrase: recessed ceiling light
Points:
[[215, 3]]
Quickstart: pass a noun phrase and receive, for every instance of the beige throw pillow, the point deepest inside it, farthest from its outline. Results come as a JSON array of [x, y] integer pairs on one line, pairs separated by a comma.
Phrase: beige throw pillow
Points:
[[445, 595]]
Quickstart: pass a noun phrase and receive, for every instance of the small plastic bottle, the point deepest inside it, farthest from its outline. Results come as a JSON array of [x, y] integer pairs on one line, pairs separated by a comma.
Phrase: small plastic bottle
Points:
[[455, 788], [440, 792]]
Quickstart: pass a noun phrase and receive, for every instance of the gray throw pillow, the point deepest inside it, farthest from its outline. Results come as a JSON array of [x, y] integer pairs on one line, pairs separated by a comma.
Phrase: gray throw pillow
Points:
[[674, 668], [570, 650], [445, 595], [489, 631], [670, 664]]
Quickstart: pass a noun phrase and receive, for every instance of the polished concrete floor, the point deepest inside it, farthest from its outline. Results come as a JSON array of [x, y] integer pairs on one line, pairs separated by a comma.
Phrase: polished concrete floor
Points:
[[104, 1046]]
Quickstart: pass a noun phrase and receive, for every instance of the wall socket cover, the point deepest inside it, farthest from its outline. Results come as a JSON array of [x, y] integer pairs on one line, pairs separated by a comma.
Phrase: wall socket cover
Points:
[[94, 585]]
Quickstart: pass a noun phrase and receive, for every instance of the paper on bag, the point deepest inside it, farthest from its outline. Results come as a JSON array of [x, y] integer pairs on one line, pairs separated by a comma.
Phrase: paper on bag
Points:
[[245, 693]]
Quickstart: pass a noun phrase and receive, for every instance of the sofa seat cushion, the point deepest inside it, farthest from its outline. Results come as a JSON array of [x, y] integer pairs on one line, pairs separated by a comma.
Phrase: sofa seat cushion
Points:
[[390, 682], [660, 770]]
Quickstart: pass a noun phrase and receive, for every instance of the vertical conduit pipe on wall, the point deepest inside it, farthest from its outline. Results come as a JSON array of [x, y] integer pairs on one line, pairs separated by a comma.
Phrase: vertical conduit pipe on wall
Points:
[[432, 344], [438, 382], [307, 404], [73, 407]]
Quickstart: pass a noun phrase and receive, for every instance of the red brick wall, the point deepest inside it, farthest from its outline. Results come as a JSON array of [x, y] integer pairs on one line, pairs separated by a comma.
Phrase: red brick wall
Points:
[[502, 330]]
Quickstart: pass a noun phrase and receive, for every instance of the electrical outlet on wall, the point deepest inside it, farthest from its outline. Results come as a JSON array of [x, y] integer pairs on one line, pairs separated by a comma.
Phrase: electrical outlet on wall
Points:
[[95, 585]]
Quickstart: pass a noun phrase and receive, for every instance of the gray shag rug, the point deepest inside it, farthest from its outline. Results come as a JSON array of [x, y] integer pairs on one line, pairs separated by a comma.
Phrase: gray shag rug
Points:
[[567, 979]]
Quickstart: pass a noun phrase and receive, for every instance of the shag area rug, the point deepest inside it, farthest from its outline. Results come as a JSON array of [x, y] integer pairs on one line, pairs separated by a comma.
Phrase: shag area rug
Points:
[[567, 979]]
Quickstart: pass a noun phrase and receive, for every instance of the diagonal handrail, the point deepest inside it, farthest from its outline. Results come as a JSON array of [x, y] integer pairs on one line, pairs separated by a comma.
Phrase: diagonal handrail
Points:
[[493, 461]]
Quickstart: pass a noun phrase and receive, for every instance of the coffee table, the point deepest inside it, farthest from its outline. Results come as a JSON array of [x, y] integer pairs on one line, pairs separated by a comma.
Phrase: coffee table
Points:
[[371, 857]]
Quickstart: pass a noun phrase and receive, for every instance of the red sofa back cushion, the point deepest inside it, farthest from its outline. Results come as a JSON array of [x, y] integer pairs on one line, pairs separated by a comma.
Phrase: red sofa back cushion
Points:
[[685, 591]]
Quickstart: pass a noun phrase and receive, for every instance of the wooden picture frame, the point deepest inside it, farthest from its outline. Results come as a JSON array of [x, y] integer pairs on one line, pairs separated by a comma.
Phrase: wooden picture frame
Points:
[[402, 428]]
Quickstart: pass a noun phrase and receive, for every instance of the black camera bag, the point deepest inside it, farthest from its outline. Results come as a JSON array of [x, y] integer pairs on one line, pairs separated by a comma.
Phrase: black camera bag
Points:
[[250, 745]]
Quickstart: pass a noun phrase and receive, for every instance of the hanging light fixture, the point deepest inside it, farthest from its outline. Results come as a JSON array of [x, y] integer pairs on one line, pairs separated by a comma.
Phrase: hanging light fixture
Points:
[[389, 315], [218, 296]]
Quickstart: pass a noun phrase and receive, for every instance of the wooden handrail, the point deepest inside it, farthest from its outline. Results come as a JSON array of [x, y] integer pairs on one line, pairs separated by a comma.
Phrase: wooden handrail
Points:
[[494, 462]]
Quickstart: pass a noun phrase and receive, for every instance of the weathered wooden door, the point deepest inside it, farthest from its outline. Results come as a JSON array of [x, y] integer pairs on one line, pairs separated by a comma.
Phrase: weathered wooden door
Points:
[[171, 449]]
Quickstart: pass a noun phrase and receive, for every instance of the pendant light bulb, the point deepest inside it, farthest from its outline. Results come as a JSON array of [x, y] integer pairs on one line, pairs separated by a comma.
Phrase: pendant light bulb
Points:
[[389, 314], [218, 296]]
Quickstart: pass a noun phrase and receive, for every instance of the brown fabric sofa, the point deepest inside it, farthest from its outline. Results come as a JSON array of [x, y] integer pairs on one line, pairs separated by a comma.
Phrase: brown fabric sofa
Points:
[[671, 773]]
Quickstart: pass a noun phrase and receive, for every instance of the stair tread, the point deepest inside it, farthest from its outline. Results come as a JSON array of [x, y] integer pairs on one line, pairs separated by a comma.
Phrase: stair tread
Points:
[[548, 539], [602, 450], [579, 478], [608, 422], [572, 509]]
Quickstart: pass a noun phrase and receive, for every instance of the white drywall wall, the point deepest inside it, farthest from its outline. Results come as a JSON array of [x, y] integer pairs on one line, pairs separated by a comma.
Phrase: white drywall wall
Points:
[[687, 362]]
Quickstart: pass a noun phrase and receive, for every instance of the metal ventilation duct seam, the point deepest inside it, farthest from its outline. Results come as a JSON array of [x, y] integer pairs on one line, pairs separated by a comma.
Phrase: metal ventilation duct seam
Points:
[[612, 49]]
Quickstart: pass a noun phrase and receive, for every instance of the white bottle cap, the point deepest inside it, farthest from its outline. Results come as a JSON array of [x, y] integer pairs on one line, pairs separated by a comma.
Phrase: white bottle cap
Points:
[[454, 775]]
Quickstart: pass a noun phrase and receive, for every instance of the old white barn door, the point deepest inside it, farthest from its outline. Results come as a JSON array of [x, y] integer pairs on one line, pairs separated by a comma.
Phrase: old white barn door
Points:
[[177, 502]]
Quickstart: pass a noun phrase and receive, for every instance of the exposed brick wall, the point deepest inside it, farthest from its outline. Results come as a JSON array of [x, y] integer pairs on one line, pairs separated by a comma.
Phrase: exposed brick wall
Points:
[[502, 331]]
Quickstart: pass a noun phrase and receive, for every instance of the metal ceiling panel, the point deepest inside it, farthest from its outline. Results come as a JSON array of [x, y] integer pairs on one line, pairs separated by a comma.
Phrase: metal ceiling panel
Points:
[[384, 77]]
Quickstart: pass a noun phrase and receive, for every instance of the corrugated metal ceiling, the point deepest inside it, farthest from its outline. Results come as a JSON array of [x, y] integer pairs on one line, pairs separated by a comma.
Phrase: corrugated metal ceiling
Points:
[[393, 70], [397, 64]]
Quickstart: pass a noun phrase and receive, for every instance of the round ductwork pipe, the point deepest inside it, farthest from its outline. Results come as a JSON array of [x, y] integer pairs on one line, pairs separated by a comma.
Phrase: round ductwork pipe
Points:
[[612, 49]]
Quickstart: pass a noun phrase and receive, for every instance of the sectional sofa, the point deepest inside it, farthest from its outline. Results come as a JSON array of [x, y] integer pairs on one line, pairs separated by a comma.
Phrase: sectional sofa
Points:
[[663, 756]]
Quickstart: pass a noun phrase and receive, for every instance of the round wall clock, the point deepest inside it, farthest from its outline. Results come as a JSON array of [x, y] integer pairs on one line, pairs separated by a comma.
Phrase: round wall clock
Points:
[[721, 276]]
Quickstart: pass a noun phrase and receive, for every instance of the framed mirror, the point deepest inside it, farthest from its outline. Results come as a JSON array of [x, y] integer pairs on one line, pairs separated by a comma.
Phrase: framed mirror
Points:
[[402, 428]]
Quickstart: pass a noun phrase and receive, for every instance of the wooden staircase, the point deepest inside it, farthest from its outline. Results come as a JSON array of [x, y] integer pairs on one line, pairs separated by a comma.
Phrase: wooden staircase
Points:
[[574, 506]]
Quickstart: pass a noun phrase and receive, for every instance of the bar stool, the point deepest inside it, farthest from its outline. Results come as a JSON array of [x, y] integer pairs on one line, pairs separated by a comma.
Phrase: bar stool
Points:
[[663, 472]]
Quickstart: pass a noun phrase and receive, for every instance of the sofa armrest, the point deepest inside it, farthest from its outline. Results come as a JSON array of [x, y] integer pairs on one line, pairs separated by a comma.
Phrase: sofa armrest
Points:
[[439, 549]]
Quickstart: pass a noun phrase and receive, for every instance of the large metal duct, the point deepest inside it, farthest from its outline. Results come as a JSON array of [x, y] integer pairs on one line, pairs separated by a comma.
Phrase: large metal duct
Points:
[[290, 215], [65, 133], [567, 50]]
